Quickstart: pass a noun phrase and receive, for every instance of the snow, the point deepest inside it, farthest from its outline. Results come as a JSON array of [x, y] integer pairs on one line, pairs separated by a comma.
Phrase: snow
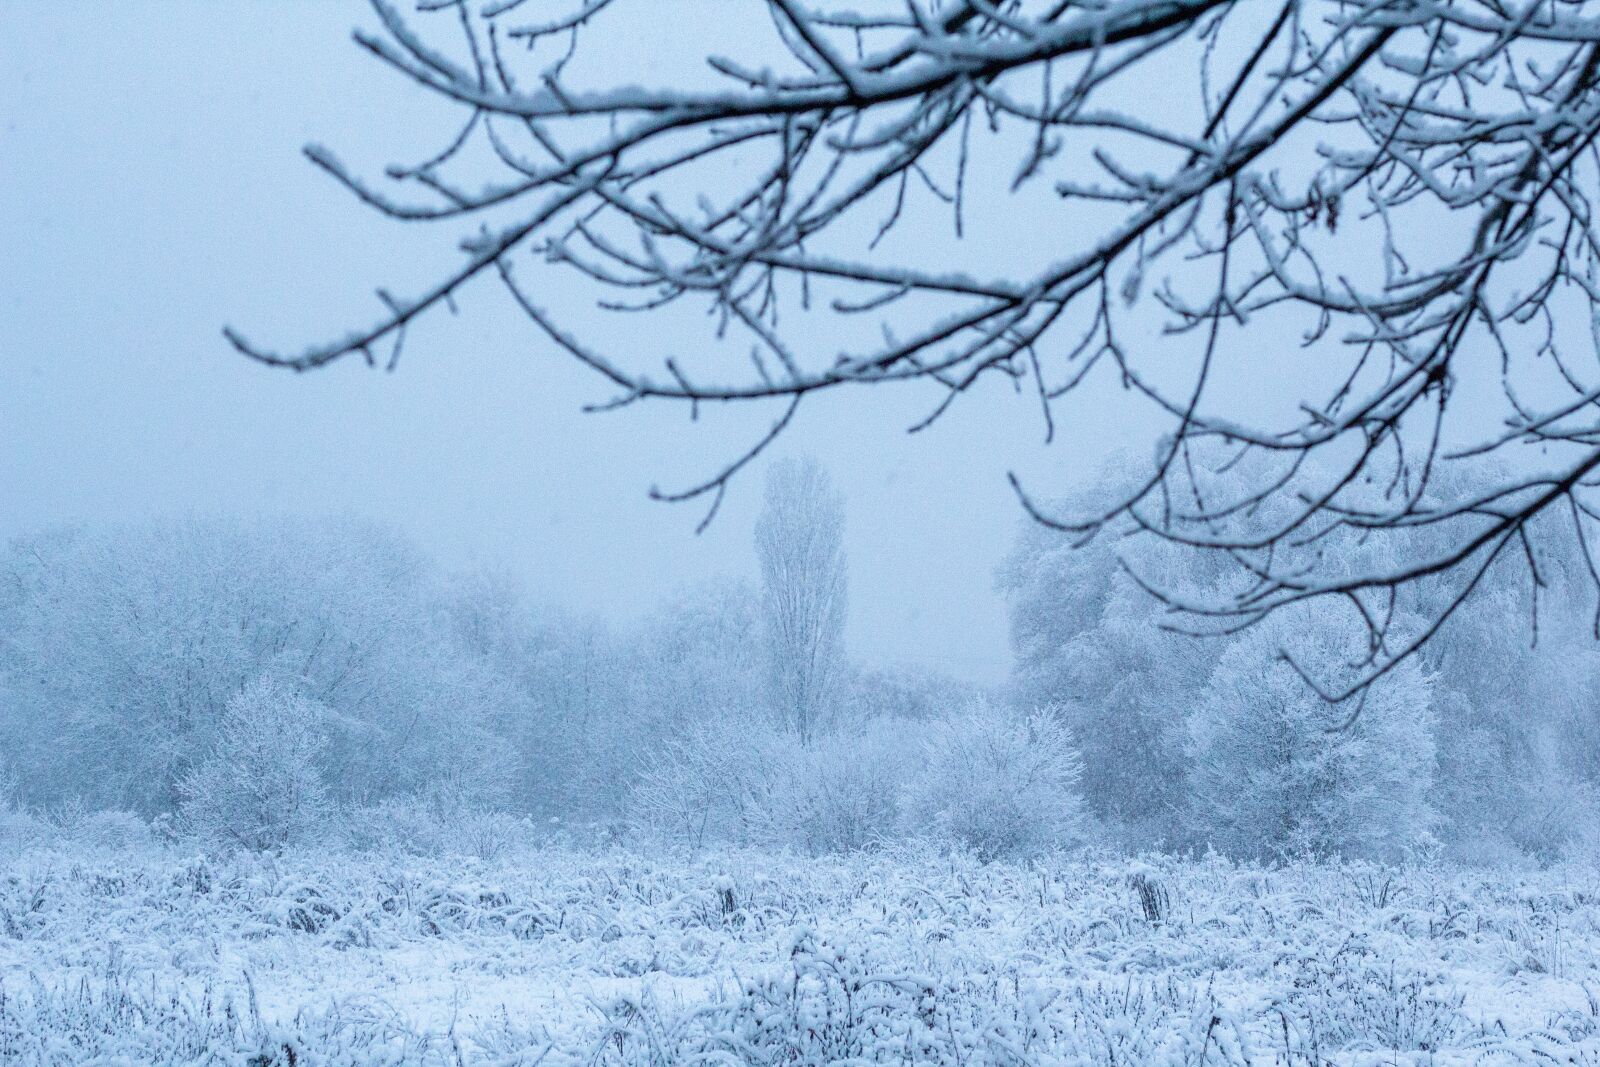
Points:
[[157, 955]]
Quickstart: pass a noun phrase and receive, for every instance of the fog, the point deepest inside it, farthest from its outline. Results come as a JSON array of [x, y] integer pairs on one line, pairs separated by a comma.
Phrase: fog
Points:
[[155, 190]]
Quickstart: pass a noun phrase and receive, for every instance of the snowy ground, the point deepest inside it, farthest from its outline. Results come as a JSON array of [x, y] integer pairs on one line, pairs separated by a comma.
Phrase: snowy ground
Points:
[[566, 957]]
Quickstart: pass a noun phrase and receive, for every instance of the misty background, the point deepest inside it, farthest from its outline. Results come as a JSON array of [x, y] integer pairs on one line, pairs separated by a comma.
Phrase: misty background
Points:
[[154, 189]]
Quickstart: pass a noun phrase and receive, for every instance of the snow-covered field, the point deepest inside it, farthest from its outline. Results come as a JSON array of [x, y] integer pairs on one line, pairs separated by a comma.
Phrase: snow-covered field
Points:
[[558, 956]]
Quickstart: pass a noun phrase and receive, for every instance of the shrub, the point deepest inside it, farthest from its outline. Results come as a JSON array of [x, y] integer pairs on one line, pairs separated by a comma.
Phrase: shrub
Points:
[[697, 788], [840, 793], [755, 784], [999, 784], [260, 787], [17, 828], [439, 822], [1352, 999], [989, 781], [113, 829]]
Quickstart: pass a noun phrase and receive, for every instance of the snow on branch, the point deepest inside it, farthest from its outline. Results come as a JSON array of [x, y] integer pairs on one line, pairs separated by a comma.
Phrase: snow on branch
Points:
[[1390, 201]]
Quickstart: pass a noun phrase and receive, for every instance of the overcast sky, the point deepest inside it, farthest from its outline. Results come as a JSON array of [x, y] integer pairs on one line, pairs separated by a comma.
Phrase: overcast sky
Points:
[[152, 188]]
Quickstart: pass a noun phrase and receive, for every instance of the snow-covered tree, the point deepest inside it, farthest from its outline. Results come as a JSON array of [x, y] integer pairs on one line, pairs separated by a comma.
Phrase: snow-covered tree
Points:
[[260, 786], [701, 656], [800, 545], [997, 783], [1085, 638], [126, 644], [1277, 772], [1519, 718], [560, 687], [694, 664]]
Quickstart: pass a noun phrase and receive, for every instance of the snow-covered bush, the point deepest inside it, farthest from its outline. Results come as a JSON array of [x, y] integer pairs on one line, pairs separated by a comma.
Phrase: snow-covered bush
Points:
[[990, 781], [697, 788], [17, 827], [74, 823], [998, 784], [261, 785], [1278, 772], [440, 821], [752, 783], [840, 793], [1349, 998]]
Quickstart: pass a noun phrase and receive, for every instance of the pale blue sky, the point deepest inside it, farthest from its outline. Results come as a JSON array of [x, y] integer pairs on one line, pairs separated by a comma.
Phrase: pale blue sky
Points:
[[152, 188]]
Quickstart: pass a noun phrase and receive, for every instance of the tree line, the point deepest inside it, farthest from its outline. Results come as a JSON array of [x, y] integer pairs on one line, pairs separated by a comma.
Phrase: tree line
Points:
[[259, 683]]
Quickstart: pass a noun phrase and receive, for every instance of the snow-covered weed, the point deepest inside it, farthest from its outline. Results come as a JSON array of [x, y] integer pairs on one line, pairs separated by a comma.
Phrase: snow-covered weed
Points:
[[903, 956], [832, 1005], [1352, 998]]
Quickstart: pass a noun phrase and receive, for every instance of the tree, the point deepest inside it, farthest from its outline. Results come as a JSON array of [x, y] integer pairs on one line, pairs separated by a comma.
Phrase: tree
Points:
[[561, 711], [1517, 767], [1276, 774], [1086, 639], [124, 645], [1515, 734], [908, 694], [260, 786], [1402, 188], [800, 545], [701, 657]]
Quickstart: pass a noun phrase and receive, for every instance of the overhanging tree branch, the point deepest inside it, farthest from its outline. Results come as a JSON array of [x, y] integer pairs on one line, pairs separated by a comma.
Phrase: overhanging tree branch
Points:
[[1409, 182]]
